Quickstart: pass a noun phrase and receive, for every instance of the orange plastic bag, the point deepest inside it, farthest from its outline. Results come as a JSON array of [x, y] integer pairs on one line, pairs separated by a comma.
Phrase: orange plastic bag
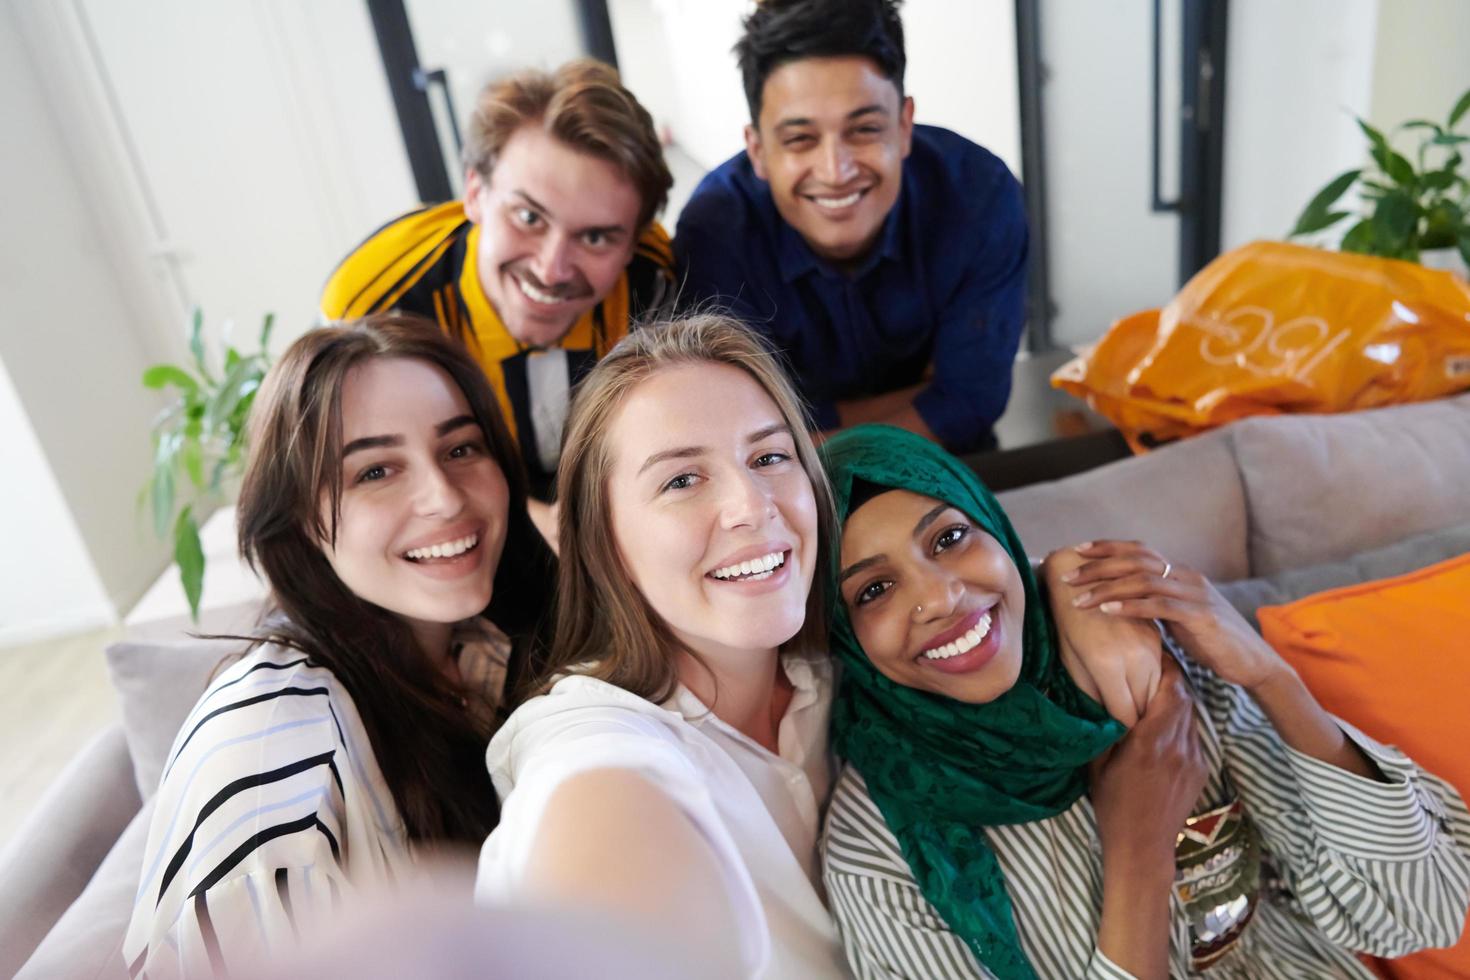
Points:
[[1272, 328]]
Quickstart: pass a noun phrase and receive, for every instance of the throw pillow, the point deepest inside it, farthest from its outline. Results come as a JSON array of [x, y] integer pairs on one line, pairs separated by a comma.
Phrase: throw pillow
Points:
[[1399, 558], [1323, 487], [157, 684]]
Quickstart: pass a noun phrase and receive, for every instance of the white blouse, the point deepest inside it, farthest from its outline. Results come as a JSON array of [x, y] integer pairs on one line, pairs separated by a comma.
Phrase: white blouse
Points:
[[760, 811]]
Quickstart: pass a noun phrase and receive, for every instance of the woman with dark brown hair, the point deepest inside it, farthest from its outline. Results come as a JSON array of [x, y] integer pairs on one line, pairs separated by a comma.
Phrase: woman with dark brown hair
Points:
[[385, 506]]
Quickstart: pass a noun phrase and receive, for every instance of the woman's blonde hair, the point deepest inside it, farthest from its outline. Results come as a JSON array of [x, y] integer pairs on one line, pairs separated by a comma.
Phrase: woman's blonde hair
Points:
[[605, 628]]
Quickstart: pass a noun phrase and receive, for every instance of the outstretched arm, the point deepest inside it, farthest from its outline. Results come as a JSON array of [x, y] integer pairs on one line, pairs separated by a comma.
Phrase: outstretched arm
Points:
[[640, 857]]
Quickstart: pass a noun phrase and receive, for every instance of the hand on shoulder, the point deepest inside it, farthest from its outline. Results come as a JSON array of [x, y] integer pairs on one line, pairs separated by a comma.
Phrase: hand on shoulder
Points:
[[1129, 580], [1113, 659]]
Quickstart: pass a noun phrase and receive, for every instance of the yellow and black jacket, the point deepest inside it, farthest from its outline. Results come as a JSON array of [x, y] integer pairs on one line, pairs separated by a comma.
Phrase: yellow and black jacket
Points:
[[425, 262]]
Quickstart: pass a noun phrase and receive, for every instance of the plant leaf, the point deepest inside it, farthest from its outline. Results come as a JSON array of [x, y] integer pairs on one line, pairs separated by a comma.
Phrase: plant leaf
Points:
[[1379, 147], [196, 341], [1438, 180], [169, 374], [193, 459], [265, 334], [190, 558], [1359, 238], [1421, 124], [1312, 223], [1317, 207], [1400, 169], [245, 372], [1395, 221], [1450, 139], [1461, 107], [1435, 238], [161, 494], [1465, 245]]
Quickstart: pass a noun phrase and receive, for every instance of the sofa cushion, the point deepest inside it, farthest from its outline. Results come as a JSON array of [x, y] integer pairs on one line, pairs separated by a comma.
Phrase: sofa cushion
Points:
[[1399, 558], [87, 941], [157, 684], [51, 857], [1320, 488], [1184, 499]]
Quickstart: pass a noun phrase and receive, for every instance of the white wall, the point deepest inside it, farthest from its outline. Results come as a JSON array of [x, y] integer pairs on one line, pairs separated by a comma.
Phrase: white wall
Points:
[[1422, 61], [475, 41], [676, 57], [47, 582], [70, 340], [264, 134], [1109, 255], [159, 155], [1298, 73], [962, 71]]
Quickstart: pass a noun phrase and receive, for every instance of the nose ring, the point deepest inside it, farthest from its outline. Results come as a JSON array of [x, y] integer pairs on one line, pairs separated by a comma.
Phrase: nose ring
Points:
[[919, 610]]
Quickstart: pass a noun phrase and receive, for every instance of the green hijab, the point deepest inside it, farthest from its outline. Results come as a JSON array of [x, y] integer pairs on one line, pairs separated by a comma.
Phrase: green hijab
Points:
[[941, 770]]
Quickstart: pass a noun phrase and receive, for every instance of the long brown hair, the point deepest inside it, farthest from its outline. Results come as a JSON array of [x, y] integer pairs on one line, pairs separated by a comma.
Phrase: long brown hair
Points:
[[604, 626], [429, 748]]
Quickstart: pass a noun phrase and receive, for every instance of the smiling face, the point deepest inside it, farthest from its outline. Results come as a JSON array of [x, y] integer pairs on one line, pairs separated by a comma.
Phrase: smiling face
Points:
[[558, 227], [423, 511], [935, 601], [831, 140], [714, 517]]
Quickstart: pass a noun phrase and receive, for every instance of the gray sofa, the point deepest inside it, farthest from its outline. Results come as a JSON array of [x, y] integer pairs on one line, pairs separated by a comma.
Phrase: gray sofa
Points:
[[1279, 507]]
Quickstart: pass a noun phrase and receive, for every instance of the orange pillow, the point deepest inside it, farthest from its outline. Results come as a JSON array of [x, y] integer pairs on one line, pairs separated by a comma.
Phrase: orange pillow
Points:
[[1392, 658]]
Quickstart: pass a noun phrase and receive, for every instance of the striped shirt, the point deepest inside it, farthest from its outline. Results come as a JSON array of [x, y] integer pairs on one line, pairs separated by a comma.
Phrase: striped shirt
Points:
[[1380, 868], [271, 815], [427, 262]]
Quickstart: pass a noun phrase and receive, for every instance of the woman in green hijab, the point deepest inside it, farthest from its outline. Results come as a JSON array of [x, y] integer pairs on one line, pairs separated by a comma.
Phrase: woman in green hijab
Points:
[[992, 820]]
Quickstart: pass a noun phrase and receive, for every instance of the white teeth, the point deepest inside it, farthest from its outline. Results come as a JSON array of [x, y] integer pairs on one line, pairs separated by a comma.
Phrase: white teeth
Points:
[[535, 294], [445, 549], [964, 644], [837, 203], [753, 570]]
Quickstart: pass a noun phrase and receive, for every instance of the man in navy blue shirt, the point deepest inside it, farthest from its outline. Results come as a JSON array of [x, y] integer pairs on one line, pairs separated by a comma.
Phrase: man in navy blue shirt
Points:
[[886, 260]]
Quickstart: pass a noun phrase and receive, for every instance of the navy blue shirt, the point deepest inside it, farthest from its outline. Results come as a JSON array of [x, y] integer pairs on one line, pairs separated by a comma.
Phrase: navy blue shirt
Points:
[[944, 286]]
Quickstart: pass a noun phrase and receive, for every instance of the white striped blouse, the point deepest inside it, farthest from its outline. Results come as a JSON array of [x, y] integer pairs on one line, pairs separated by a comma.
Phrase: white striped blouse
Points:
[[1380, 868], [272, 814]]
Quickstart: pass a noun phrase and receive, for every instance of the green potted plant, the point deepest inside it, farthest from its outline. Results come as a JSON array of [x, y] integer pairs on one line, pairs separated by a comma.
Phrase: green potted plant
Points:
[[199, 442], [1406, 208]]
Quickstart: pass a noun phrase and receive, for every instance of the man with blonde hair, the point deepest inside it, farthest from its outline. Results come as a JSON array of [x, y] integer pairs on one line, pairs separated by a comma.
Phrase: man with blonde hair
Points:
[[549, 257]]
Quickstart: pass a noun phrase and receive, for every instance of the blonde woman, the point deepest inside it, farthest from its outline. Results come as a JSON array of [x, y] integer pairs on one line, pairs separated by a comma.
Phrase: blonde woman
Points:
[[676, 765]]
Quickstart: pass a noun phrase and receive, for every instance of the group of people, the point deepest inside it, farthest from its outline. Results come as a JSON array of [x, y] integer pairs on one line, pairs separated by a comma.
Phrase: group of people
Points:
[[773, 675]]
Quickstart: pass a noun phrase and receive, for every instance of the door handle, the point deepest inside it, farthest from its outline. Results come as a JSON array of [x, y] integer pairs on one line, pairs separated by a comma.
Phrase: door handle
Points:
[[422, 80], [1158, 203]]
